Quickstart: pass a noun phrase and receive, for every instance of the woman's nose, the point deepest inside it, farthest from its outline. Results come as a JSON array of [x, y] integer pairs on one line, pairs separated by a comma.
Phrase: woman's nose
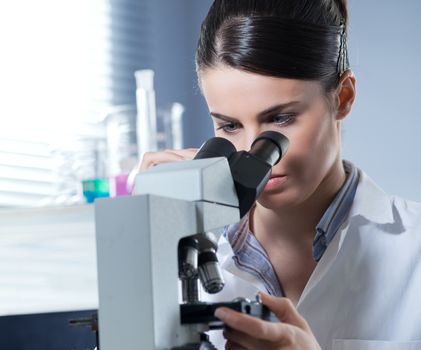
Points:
[[247, 141], [244, 145]]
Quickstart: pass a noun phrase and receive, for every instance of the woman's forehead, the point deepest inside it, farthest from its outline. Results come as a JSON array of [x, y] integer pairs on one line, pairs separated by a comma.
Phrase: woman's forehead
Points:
[[226, 88]]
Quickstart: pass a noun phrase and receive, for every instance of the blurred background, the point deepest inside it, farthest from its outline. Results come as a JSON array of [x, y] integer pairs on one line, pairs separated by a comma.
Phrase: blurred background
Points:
[[67, 69]]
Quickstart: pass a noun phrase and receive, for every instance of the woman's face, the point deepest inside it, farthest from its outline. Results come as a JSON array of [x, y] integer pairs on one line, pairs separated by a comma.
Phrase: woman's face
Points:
[[242, 105]]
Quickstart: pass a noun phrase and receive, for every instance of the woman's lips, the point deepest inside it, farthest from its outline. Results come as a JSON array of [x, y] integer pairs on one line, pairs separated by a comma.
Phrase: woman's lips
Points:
[[275, 182]]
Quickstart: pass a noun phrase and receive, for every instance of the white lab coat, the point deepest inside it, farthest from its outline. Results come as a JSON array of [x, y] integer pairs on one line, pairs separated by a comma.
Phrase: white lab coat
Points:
[[365, 292]]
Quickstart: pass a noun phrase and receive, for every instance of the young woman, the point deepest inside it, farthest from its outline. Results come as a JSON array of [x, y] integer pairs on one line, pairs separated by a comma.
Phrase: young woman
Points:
[[338, 258]]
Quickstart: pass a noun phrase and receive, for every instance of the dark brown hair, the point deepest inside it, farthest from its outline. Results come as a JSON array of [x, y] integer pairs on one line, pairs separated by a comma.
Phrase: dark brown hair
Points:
[[298, 39]]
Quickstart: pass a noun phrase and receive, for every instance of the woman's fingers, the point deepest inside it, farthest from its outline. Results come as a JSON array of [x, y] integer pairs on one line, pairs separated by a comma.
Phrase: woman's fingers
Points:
[[252, 333], [284, 310], [151, 159], [253, 326]]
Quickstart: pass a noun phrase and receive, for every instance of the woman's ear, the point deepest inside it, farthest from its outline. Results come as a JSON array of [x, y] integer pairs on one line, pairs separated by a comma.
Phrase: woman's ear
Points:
[[345, 94]]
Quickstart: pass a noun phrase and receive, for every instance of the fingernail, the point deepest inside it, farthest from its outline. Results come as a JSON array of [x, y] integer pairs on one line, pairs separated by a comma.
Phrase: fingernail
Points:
[[220, 313]]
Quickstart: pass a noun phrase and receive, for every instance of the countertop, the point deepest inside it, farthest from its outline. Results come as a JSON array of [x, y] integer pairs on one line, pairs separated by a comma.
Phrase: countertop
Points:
[[47, 260]]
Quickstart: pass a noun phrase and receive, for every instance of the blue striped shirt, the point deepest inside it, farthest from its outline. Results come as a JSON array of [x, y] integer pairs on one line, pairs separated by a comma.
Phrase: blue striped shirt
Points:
[[250, 256]]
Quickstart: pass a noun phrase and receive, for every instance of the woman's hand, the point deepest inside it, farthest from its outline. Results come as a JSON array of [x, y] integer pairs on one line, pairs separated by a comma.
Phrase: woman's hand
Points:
[[247, 332], [150, 159]]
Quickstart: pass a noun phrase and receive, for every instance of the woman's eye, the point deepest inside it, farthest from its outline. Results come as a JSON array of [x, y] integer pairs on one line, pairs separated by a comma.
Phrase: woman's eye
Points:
[[283, 119], [228, 127]]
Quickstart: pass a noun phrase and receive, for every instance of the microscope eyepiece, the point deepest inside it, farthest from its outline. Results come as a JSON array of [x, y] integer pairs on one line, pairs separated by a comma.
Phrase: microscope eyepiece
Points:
[[269, 146], [251, 170]]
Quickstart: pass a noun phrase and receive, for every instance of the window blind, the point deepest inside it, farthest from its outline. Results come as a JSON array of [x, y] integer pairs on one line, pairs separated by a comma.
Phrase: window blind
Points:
[[67, 64]]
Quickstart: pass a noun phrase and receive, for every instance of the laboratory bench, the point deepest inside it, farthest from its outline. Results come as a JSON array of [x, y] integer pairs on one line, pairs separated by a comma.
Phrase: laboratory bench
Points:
[[48, 276]]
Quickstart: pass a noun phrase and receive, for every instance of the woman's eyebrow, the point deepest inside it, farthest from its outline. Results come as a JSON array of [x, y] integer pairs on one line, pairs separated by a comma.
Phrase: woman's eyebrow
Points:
[[273, 109], [277, 108], [223, 117]]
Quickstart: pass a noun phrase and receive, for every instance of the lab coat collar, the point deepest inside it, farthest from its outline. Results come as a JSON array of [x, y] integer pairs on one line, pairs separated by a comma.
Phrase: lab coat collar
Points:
[[371, 202]]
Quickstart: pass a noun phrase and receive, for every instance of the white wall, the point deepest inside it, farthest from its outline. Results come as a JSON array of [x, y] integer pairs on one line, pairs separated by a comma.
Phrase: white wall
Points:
[[382, 135]]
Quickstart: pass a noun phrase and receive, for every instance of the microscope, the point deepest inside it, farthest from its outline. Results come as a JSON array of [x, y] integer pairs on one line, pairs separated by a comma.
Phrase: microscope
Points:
[[156, 250]]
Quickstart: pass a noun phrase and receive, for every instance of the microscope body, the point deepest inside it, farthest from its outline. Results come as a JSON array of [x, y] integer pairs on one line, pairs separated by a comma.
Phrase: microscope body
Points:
[[137, 239], [178, 210]]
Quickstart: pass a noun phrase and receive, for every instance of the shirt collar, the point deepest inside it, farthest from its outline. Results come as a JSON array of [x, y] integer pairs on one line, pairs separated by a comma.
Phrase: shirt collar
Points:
[[372, 202], [337, 212]]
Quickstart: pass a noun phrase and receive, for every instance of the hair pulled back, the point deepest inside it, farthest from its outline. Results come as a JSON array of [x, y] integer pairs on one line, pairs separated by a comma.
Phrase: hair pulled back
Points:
[[297, 39]]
